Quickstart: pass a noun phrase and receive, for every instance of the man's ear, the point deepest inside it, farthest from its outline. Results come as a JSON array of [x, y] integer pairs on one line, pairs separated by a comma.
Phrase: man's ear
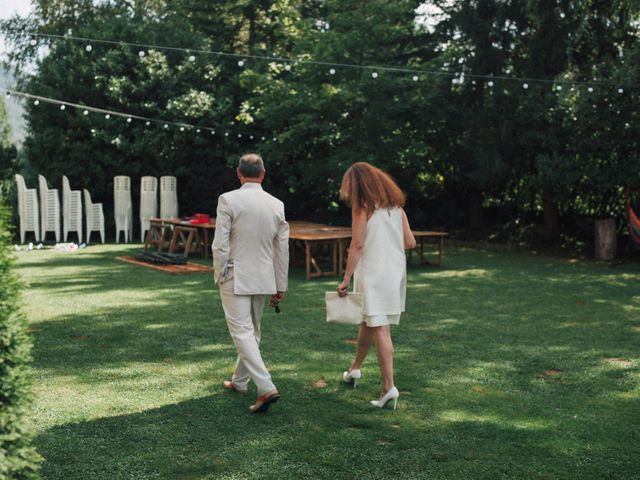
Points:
[[238, 174]]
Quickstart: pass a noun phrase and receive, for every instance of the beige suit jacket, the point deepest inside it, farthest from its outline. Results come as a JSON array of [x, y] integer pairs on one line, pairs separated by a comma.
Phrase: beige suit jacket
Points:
[[252, 236]]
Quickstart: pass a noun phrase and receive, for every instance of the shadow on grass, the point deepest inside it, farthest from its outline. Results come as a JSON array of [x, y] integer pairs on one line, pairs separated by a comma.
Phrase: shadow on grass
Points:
[[506, 364], [324, 435]]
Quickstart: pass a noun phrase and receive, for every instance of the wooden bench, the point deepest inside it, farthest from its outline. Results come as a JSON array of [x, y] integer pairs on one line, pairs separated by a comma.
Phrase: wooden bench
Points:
[[312, 241], [177, 234], [421, 236]]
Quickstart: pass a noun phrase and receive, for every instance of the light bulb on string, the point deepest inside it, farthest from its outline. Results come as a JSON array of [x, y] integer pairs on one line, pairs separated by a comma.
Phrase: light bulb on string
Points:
[[490, 83], [559, 88], [88, 48], [374, 75], [287, 67], [620, 90], [141, 53], [192, 58], [36, 102], [182, 129], [263, 139], [85, 113], [525, 86], [251, 137], [166, 125], [33, 42], [332, 71], [198, 130], [62, 107], [226, 134], [213, 132], [415, 78], [239, 135], [274, 139], [107, 116], [241, 63]]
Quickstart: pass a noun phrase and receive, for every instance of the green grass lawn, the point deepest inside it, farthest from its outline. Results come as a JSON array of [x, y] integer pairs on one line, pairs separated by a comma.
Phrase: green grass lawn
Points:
[[509, 366]]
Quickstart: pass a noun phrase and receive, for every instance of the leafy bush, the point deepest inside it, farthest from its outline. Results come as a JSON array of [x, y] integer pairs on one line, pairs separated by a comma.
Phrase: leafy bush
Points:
[[18, 459]]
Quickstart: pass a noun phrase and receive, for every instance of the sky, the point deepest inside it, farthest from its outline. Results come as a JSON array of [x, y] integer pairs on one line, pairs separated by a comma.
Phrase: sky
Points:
[[9, 8]]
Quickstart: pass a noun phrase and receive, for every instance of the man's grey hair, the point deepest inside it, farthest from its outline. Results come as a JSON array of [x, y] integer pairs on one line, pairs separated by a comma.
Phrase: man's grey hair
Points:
[[251, 165]]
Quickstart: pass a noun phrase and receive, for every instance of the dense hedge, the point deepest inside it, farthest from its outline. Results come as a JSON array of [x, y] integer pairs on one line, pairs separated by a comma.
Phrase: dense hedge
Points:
[[18, 459]]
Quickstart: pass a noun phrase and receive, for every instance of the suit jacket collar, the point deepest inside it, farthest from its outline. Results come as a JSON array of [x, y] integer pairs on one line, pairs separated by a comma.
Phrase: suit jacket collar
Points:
[[251, 186]]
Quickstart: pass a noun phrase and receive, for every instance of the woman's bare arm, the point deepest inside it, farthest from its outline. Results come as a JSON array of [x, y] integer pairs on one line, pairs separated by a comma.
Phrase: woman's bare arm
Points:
[[358, 233], [409, 239]]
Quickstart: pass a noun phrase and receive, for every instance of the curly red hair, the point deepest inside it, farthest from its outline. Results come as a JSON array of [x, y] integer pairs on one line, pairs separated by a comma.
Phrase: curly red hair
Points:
[[367, 187]]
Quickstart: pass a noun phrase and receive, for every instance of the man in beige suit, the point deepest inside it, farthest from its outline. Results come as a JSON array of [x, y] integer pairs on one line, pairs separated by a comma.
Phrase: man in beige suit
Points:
[[251, 259]]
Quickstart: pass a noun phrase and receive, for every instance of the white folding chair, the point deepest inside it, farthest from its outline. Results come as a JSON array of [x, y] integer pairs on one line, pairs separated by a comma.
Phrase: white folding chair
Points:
[[71, 210], [49, 209], [95, 216], [168, 197], [148, 203], [27, 209], [122, 207]]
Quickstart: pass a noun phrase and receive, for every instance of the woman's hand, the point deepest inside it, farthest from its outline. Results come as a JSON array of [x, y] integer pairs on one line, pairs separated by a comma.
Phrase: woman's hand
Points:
[[342, 288]]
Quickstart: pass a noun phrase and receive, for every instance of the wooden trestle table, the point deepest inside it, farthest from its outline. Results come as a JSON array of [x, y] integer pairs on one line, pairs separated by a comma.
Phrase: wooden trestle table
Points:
[[324, 247]]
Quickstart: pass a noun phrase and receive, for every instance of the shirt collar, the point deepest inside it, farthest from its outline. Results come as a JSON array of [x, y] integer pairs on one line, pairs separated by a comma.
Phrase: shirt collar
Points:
[[252, 185]]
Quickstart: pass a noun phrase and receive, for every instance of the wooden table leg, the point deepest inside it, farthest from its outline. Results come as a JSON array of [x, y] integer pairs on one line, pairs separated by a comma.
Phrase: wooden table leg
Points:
[[188, 242], [307, 248], [334, 257], [174, 240], [147, 240], [441, 251]]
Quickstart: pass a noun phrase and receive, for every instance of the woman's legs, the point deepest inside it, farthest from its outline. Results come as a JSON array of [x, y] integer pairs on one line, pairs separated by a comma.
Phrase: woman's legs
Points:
[[384, 346], [365, 337]]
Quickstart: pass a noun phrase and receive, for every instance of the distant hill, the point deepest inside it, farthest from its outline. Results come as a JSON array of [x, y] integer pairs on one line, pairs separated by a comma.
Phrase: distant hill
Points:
[[15, 110]]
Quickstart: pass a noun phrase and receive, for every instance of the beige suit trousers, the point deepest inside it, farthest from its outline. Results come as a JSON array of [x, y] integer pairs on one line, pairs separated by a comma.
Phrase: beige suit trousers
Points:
[[244, 314]]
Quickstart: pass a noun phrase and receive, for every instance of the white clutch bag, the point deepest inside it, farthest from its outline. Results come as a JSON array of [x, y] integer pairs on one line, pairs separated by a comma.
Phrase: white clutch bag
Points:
[[347, 310]]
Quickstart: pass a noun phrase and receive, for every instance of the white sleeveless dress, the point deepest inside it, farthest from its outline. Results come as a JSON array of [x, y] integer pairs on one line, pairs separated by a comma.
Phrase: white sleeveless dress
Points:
[[381, 273]]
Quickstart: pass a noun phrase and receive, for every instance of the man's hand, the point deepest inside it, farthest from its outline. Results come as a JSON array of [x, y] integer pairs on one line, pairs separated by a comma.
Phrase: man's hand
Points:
[[275, 299], [343, 287]]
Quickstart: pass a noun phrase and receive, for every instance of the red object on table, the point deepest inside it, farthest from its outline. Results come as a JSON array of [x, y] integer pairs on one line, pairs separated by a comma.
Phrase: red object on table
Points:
[[200, 218]]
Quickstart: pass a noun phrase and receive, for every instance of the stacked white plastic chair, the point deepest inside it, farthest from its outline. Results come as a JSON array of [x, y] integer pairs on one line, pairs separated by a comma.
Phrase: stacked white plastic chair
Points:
[[168, 197], [122, 207], [95, 216], [71, 210], [148, 203], [49, 209], [27, 209]]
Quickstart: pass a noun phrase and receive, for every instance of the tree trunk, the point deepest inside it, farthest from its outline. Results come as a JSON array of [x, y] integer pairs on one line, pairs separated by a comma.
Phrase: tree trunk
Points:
[[606, 239], [551, 217]]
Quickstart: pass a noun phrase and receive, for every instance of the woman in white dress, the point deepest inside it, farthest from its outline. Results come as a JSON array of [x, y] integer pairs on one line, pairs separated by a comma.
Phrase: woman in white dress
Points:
[[380, 235]]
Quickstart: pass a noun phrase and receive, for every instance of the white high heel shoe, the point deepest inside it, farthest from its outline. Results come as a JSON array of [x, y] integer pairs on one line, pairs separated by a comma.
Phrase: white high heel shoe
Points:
[[352, 376], [392, 394]]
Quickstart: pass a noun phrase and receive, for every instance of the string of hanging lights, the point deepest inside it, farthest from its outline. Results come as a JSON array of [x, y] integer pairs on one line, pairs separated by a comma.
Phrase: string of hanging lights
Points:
[[334, 67], [142, 120]]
